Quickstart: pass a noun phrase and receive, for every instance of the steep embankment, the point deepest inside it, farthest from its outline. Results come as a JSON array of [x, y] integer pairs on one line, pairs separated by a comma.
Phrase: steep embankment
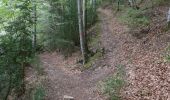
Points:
[[147, 72]]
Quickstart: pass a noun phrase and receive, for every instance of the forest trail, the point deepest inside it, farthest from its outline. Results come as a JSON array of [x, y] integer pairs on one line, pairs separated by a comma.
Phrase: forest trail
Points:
[[147, 73], [63, 80]]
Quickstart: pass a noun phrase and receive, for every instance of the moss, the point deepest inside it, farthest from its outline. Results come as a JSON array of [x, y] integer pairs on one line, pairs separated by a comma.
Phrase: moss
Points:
[[92, 59], [167, 58], [167, 54], [114, 84], [39, 93], [94, 45]]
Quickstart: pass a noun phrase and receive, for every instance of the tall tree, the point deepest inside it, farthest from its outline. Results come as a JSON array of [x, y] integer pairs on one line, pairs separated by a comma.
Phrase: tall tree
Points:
[[85, 25], [35, 25], [81, 30], [132, 3]]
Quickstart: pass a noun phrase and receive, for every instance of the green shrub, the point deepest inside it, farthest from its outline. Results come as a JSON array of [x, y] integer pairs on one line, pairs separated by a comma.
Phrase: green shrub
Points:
[[15, 49], [92, 59], [39, 93], [113, 85], [167, 54], [134, 18]]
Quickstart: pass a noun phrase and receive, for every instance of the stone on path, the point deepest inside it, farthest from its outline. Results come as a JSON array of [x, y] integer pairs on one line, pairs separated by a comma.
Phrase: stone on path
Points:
[[66, 97]]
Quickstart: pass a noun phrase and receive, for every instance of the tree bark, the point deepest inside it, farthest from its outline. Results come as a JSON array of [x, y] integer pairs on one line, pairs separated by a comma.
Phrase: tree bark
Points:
[[168, 18], [132, 3], [35, 27], [84, 21], [81, 33], [9, 86], [23, 78], [118, 5], [85, 27]]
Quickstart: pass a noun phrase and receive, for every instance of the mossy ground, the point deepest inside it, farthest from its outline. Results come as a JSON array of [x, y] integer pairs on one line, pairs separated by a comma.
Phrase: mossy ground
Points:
[[92, 60], [113, 85], [94, 45]]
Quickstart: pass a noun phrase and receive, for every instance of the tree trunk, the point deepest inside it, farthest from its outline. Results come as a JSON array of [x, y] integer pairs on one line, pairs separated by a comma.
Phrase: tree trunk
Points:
[[23, 78], [35, 27], [9, 86], [84, 25], [118, 5], [85, 28], [80, 19], [94, 9], [94, 5], [168, 18], [84, 15], [132, 3]]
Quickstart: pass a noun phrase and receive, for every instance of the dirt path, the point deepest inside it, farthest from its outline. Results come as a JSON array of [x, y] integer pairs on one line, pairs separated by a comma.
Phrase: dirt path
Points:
[[147, 73]]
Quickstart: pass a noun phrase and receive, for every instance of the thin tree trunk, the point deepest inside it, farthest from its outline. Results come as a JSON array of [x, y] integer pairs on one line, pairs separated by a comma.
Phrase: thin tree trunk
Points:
[[130, 3], [9, 87], [23, 78], [133, 4], [85, 28], [84, 15], [94, 5], [118, 5], [168, 18], [80, 19], [35, 27], [94, 9]]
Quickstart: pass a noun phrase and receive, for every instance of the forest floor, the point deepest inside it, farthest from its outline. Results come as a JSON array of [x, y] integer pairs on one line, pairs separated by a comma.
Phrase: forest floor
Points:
[[147, 73]]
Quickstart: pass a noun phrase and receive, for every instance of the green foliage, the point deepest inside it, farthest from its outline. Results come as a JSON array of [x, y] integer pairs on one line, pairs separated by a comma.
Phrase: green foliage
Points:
[[167, 55], [113, 85], [39, 93], [63, 28], [168, 58], [94, 46], [92, 59], [15, 50], [63, 31], [135, 18]]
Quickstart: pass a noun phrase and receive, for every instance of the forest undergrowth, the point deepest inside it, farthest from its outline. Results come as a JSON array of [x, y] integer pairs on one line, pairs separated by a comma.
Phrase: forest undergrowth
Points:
[[124, 50]]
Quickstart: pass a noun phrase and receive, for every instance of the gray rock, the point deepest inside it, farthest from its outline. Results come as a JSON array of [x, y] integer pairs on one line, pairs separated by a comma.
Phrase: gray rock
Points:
[[66, 97]]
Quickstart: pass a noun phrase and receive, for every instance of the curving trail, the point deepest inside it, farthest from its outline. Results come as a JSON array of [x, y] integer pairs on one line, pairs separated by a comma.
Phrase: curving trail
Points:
[[147, 77], [62, 80]]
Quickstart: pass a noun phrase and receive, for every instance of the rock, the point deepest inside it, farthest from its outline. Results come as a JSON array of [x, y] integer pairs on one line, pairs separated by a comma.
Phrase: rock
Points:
[[66, 97]]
